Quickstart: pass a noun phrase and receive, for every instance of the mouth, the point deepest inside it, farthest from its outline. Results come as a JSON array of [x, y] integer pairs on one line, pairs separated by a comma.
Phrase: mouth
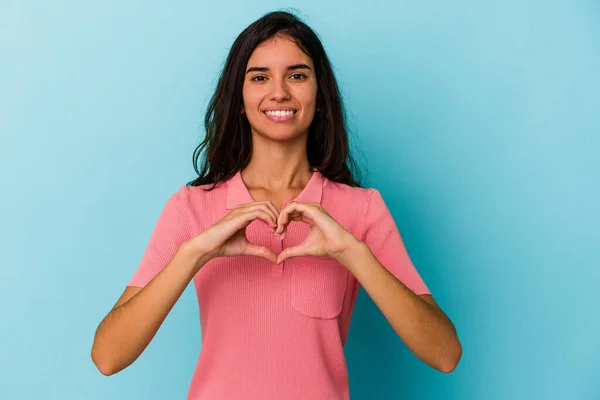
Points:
[[280, 115]]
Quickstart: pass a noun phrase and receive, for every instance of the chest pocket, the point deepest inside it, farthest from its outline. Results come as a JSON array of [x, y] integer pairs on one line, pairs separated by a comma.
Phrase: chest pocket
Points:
[[318, 286]]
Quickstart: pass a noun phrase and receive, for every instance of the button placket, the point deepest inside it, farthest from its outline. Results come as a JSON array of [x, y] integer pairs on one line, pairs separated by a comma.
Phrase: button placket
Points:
[[277, 245]]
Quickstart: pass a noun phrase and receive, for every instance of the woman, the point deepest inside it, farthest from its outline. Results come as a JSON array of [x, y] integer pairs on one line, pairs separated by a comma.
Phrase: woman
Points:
[[277, 236]]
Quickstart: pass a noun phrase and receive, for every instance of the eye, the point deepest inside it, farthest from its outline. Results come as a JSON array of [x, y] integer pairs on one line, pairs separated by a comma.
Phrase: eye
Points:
[[258, 78], [298, 76]]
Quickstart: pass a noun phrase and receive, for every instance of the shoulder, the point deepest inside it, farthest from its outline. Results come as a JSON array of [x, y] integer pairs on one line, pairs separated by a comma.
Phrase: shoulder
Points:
[[354, 197], [350, 206], [202, 194], [201, 206]]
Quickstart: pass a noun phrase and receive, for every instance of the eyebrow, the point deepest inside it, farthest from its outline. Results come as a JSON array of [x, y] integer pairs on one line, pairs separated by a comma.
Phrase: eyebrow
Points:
[[291, 67]]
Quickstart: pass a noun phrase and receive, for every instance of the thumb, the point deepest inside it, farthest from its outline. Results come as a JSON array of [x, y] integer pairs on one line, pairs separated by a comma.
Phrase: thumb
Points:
[[259, 251], [289, 253]]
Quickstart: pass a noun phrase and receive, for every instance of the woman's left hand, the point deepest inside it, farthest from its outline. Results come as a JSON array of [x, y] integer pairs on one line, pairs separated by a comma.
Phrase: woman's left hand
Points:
[[326, 237]]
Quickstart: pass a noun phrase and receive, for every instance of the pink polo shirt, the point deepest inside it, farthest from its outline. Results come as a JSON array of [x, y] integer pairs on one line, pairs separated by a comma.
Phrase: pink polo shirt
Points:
[[275, 331]]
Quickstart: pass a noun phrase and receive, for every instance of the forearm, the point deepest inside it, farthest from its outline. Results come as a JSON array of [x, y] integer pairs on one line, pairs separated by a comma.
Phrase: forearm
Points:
[[128, 329], [423, 327]]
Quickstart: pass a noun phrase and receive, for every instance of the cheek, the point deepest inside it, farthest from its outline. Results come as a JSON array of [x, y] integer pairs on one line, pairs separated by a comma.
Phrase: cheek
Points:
[[251, 100], [309, 98], [252, 103], [309, 101]]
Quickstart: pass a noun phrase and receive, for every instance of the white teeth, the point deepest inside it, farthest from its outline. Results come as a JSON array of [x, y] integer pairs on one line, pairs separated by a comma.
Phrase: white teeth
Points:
[[280, 113]]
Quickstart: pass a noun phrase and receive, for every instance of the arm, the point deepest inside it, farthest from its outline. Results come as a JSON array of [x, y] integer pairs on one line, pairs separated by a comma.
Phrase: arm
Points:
[[168, 266], [130, 326], [417, 320]]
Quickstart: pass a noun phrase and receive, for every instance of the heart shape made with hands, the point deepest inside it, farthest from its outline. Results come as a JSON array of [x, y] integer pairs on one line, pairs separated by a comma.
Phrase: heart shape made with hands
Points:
[[326, 237]]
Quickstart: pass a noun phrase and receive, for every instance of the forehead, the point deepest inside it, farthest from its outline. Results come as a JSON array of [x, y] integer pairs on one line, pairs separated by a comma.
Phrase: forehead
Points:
[[278, 52]]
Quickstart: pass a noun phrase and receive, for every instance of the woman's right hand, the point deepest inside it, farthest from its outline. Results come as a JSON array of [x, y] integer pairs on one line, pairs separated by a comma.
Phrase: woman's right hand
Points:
[[227, 237]]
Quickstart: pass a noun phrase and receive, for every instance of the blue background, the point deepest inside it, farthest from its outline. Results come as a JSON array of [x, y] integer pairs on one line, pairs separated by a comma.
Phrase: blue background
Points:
[[478, 122]]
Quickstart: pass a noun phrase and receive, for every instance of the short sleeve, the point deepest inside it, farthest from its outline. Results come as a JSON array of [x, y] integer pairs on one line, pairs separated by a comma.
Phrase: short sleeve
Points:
[[384, 240], [171, 229]]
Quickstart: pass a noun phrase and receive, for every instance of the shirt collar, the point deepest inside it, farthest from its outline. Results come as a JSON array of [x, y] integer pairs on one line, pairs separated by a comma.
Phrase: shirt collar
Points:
[[237, 192]]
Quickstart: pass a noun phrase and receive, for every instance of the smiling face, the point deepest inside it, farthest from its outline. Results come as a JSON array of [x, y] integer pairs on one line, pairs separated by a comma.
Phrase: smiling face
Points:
[[280, 90]]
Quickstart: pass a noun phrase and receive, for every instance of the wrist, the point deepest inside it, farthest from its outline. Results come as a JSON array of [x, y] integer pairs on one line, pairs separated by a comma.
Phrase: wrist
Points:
[[353, 248], [197, 256]]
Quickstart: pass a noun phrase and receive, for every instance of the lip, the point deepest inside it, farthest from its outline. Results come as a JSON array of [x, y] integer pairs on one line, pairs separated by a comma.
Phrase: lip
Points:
[[284, 118], [279, 108]]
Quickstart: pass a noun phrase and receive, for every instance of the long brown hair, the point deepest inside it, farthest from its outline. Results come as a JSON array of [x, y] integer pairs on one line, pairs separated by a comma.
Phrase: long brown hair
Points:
[[228, 141]]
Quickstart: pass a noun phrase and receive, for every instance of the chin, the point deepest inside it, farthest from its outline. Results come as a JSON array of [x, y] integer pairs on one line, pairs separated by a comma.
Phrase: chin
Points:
[[281, 135]]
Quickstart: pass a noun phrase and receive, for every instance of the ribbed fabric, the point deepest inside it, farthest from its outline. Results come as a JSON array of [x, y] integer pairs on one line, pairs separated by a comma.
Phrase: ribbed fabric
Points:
[[275, 331]]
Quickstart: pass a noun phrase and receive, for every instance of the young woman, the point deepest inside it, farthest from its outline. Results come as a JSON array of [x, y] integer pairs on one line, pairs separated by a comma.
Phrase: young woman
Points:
[[277, 236]]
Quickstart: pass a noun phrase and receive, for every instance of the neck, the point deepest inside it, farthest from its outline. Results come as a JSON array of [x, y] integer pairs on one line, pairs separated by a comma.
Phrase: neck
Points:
[[277, 166]]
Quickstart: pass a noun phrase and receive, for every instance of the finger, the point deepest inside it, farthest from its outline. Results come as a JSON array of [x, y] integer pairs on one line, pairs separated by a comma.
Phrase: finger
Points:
[[283, 218], [272, 207], [290, 252], [260, 251], [282, 226], [268, 207], [250, 216], [302, 211], [274, 212], [282, 221], [295, 216], [271, 210]]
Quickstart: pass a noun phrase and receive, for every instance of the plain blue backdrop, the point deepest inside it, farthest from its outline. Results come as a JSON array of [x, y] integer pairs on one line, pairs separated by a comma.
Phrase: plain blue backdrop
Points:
[[477, 121]]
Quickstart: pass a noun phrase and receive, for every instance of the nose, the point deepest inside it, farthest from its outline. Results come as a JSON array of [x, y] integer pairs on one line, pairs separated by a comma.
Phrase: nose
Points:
[[279, 90]]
